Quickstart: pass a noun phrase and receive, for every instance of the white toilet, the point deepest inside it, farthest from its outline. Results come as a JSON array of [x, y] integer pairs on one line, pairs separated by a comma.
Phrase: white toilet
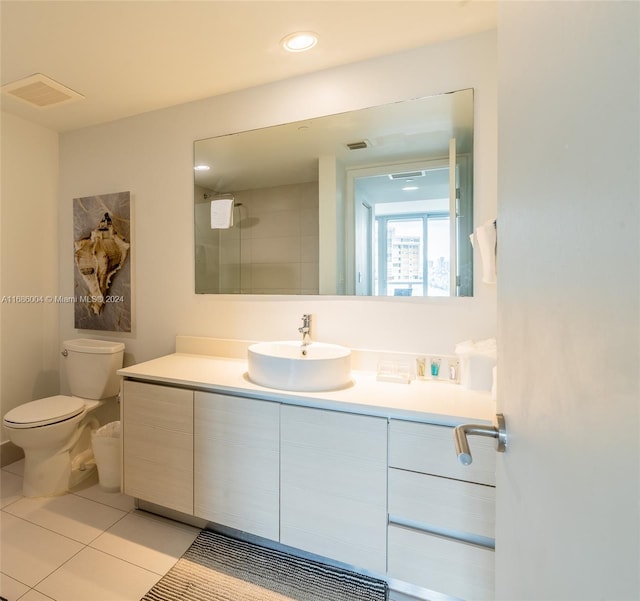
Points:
[[55, 432]]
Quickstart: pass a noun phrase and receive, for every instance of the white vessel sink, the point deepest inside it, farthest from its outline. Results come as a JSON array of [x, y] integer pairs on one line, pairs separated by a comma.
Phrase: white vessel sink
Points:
[[288, 365]]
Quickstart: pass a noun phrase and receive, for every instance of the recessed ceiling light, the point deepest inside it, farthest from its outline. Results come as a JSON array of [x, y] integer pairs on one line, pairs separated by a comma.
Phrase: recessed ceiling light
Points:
[[299, 41], [410, 188], [201, 168]]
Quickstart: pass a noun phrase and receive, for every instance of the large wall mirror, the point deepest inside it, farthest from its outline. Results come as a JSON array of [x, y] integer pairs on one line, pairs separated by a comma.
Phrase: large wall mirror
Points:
[[373, 202]]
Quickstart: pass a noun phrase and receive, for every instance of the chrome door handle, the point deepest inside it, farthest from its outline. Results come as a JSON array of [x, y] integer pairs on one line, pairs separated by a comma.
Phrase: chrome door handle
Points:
[[461, 432]]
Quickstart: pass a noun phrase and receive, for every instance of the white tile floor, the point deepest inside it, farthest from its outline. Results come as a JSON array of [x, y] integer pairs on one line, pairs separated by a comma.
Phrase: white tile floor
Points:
[[88, 545]]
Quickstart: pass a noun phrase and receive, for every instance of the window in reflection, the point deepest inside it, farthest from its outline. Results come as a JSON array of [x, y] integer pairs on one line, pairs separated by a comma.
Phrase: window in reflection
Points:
[[438, 255], [413, 255]]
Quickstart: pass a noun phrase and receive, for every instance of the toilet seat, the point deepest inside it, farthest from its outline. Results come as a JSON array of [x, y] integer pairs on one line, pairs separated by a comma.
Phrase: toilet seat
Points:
[[44, 412]]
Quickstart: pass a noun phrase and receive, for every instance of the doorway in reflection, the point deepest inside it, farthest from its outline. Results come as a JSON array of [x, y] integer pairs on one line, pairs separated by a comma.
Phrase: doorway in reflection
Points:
[[405, 243]]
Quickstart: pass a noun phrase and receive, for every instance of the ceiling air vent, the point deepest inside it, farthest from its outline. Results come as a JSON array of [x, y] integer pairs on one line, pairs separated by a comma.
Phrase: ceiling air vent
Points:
[[406, 174], [358, 145], [40, 91]]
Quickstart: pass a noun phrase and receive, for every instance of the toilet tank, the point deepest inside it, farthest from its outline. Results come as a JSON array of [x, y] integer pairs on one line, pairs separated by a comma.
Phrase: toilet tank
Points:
[[91, 367]]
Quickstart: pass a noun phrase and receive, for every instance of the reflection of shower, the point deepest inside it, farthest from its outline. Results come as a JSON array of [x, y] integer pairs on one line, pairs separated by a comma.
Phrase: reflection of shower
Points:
[[222, 265], [223, 214], [244, 221]]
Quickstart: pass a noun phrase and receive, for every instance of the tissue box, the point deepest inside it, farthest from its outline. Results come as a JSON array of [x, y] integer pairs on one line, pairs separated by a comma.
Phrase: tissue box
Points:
[[477, 372], [477, 362]]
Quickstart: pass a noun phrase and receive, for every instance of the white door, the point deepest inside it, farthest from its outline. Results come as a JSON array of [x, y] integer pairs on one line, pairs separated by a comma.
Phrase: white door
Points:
[[364, 247], [568, 303]]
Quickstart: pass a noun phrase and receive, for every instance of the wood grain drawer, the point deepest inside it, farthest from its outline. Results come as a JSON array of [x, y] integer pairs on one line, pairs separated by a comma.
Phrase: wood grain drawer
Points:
[[157, 442], [333, 495], [451, 567], [430, 449], [440, 503], [237, 463]]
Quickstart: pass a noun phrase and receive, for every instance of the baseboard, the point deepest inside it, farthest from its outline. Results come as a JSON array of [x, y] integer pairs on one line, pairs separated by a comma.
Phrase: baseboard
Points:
[[171, 514], [10, 453]]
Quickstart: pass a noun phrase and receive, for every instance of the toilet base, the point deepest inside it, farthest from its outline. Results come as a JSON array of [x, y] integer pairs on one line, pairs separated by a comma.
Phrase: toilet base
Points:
[[54, 476], [46, 476], [50, 473]]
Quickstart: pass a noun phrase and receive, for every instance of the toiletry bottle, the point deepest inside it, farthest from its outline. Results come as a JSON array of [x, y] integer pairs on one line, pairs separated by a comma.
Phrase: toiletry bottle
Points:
[[435, 367]]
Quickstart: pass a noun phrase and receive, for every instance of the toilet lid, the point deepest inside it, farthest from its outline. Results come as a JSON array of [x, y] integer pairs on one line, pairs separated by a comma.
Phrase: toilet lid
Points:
[[42, 412]]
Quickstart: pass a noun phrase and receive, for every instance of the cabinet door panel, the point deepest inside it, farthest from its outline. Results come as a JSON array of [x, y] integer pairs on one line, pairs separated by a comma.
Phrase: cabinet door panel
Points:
[[237, 463], [451, 567], [157, 444], [333, 485], [432, 501], [430, 449]]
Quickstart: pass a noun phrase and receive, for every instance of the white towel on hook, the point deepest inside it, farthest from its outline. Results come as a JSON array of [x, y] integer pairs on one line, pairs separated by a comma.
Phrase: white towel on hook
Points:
[[221, 214], [484, 240]]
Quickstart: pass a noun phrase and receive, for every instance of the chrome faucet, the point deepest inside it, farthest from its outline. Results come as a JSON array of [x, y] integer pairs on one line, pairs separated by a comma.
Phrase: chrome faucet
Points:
[[305, 329]]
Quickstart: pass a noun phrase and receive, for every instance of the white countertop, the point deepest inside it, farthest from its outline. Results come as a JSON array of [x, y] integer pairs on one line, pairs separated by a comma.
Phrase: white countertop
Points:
[[440, 403]]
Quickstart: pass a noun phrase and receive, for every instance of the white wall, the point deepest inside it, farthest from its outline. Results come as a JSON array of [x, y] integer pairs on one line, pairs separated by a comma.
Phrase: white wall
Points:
[[29, 262], [152, 156], [569, 301]]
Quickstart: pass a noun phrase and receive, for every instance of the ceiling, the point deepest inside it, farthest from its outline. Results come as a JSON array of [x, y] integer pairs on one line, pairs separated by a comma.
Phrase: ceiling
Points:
[[128, 57]]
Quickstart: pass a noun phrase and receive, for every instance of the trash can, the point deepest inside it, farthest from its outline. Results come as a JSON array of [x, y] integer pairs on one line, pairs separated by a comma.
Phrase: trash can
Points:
[[105, 442]]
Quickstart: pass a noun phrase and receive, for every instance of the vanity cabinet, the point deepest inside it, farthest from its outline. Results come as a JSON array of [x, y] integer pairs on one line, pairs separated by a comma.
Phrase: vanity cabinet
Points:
[[381, 494], [333, 485], [441, 514], [157, 443], [236, 462]]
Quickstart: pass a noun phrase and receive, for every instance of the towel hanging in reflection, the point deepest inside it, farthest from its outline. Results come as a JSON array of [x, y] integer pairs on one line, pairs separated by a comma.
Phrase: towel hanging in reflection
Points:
[[222, 214], [484, 239]]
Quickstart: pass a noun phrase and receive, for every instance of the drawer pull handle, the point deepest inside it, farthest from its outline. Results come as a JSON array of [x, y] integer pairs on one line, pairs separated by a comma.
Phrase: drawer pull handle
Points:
[[461, 432]]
